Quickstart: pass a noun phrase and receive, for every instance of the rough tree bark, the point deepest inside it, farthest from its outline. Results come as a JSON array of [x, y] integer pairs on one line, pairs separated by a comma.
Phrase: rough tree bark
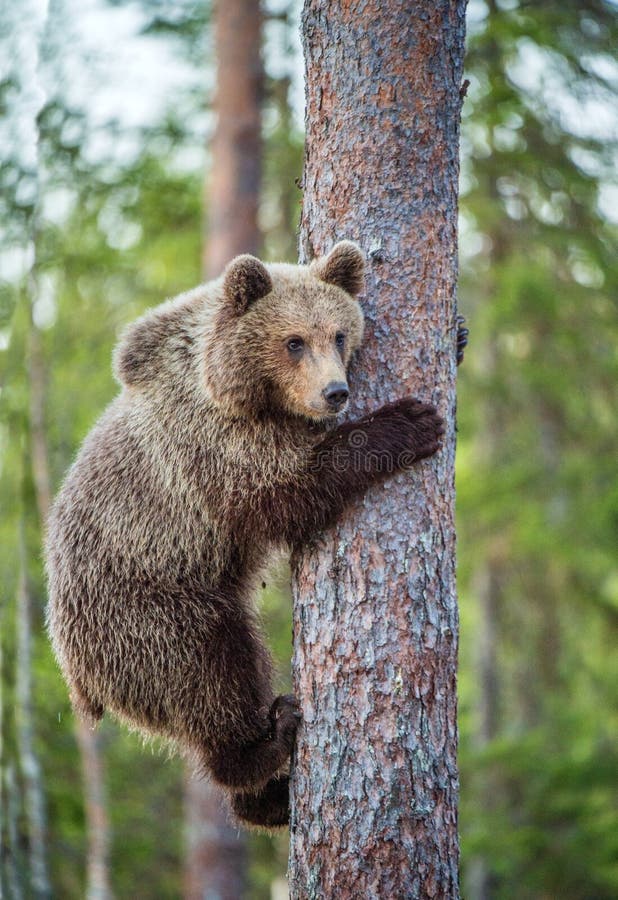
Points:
[[375, 782], [216, 857]]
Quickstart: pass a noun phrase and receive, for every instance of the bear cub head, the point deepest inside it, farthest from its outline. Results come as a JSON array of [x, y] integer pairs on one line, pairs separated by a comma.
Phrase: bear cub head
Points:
[[283, 335]]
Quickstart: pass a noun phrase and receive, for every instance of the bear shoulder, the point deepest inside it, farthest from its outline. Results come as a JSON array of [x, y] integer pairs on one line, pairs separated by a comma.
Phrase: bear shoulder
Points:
[[163, 341]]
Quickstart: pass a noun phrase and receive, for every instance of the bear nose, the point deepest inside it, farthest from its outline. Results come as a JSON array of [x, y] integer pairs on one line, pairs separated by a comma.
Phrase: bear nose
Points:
[[336, 393]]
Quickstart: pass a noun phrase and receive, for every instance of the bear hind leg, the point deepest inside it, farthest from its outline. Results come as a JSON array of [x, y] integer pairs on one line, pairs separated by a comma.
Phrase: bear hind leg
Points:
[[268, 808], [250, 766]]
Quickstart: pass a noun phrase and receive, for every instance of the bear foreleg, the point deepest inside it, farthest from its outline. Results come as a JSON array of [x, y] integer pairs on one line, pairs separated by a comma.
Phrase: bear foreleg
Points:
[[347, 462]]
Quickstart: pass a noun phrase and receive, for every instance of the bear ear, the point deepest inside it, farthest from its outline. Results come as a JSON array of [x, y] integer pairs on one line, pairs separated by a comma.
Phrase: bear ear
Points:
[[344, 266], [246, 280]]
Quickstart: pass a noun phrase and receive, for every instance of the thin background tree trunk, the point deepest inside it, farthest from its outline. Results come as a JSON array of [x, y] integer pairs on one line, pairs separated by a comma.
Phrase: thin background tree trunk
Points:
[[95, 805], [216, 859], [12, 874], [480, 884], [233, 189], [375, 782], [97, 820], [34, 799]]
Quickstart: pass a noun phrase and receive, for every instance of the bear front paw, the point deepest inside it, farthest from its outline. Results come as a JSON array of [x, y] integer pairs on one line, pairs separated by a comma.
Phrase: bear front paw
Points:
[[285, 717], [415, 427], [426, 427]]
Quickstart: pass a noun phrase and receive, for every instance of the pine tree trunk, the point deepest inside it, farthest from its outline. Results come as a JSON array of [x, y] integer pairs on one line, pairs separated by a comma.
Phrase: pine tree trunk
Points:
[[216, 854], [216, 860], [375, 781], [233, 190], [95, 808]]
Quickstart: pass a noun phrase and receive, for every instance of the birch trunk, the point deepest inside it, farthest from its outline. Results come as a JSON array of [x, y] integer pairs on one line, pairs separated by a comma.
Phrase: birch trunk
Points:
[[11, 873], [375, 783], [95, 805], [34, 801]]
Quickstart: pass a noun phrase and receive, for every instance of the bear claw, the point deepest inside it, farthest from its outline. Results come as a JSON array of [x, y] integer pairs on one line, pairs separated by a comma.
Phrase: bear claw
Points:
[[285, 716], [462, 338]]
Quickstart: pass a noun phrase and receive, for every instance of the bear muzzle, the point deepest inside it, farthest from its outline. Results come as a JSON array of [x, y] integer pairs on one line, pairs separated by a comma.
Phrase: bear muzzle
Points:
[[336, 395]]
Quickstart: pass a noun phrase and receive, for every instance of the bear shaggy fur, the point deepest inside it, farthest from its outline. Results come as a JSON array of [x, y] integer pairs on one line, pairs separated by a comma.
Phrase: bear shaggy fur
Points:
[[221, 446]]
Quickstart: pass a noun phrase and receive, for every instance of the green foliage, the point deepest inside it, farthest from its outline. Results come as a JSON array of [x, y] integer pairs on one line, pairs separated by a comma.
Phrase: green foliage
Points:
[[91, 284], [537, 486], [113, 233]]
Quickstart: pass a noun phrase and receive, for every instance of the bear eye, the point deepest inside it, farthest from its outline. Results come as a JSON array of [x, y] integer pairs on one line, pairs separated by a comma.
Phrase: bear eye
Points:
[[340, 340], [295, 345]]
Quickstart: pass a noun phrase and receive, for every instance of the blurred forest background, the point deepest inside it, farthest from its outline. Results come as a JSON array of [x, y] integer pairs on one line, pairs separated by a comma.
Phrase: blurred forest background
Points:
[[106, 134]]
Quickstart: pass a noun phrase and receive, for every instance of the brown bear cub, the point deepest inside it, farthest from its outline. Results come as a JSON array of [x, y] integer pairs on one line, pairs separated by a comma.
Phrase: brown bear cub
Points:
[[217, 450]]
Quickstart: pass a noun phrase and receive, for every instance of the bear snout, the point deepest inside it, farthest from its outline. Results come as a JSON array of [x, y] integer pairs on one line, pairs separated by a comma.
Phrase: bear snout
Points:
[[336, 394]]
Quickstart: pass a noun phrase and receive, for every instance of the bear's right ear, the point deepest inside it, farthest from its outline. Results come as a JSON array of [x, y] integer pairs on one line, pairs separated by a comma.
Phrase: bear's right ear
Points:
[[246, 280], [344, 266]]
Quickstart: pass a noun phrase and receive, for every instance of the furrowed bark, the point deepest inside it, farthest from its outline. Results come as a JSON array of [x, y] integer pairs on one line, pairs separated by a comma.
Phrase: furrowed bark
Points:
[[375, 782]]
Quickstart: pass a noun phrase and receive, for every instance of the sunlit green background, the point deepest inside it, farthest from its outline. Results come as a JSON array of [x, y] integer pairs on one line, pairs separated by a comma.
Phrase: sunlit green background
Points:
[[104, 135]]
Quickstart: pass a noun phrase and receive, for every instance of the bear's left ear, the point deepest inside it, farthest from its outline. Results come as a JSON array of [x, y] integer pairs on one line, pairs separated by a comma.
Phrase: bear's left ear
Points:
[[344, 266], [246, 280]]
